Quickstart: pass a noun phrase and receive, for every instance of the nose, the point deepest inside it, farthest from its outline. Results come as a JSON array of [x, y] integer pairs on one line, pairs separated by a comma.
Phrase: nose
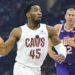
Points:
[[70, 16]]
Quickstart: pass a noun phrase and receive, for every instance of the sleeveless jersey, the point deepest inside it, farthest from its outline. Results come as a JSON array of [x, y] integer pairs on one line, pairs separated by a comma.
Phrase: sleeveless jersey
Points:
[[32, 46], [70, 57]]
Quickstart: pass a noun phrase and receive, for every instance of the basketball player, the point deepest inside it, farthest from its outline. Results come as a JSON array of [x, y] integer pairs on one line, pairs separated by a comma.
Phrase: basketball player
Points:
[[32, 43], [66, 33]]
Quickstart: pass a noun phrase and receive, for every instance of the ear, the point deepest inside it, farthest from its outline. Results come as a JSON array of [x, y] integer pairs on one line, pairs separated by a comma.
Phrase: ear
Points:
[[28, 15]]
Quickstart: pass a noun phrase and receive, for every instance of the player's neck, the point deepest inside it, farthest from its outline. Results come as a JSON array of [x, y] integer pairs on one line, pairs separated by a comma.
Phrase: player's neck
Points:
[[68, 27], [33, 26]]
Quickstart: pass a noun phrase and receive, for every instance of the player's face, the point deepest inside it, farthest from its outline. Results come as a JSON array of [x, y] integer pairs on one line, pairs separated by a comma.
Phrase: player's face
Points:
[[35, 13], [70, 17]]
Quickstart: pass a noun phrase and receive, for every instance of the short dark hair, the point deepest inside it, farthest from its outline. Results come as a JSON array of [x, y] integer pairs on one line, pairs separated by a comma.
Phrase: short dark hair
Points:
[[28, 7]]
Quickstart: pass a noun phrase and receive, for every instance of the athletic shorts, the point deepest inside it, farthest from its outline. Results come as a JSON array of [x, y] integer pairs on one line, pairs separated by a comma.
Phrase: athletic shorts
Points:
[[65, 69], [20, 69]]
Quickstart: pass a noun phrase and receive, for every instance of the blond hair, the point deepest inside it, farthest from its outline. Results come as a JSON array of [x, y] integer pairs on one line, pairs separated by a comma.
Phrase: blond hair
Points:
[[70, 9]]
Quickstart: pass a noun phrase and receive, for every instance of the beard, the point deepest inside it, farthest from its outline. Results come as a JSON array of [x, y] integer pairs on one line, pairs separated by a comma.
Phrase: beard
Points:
[[37, 21]]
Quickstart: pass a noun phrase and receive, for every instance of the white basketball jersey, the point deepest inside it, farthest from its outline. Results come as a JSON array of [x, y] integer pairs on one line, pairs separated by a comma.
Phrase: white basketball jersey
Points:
[[32, 46]]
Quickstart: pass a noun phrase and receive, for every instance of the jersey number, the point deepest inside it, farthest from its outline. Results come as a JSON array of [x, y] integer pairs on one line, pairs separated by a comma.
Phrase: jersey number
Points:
[[35, 53], [69, 50]]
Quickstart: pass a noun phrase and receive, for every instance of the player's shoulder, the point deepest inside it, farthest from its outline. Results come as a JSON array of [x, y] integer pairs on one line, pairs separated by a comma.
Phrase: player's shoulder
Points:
[[51, 30], [49, 27], [15, 30]]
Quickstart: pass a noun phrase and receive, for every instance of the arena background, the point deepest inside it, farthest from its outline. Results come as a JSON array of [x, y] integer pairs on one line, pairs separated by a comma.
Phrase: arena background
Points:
[[12, 15]]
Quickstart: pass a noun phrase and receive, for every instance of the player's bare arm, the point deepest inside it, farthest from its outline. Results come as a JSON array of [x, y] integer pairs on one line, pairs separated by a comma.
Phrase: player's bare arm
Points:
[[51, 53], [56, 42], [8, 45], [56, 57], [53, 35]]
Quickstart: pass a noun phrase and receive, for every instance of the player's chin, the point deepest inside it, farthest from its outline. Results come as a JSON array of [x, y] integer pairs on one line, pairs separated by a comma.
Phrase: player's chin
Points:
[[38, 21]]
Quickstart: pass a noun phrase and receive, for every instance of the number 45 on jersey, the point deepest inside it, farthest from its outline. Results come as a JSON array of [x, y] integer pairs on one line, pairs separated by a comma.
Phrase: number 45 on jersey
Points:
[[35, 53]]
